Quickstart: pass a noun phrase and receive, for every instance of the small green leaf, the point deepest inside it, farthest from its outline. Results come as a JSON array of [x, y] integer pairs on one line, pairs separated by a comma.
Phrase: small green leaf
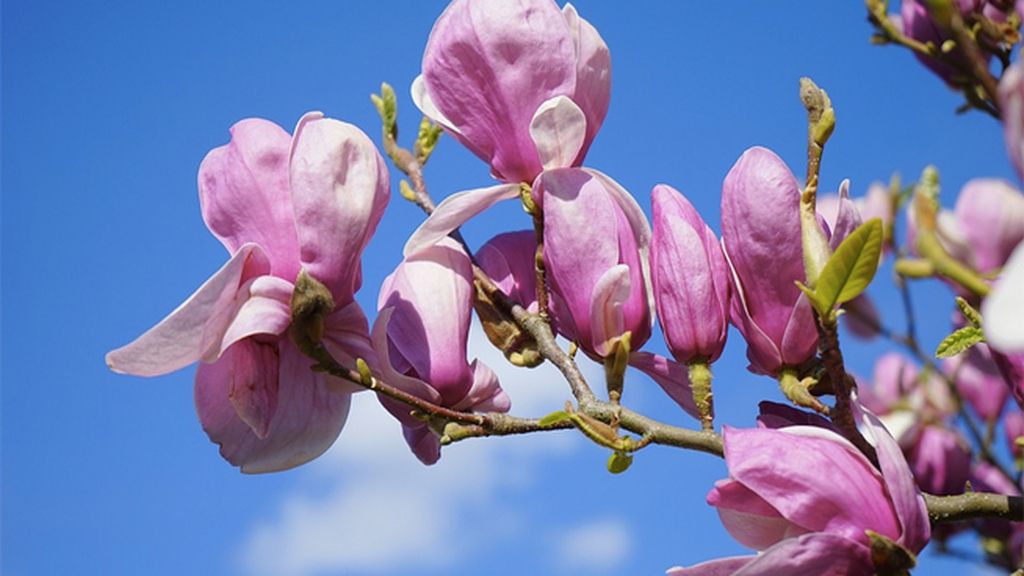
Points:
[[959, 341], [556, 417], [813, 297], [619, 462], [851, 267], [972, 315], [426, 139]]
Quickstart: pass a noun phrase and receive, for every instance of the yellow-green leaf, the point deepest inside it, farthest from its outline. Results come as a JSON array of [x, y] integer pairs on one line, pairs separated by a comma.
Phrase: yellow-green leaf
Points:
[[851, 267], [959, 341], [556, 417]]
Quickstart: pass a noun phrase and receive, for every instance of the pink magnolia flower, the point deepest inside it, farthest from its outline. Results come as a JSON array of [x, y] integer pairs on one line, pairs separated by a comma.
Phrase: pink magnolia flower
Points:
[[278, 204], [690, 277], [420, 338], [761, 238], [979, 381], [917, 24], [596, 240], [522, 85], [1011, 100], [509, 259], [804, 497], [990, 214]]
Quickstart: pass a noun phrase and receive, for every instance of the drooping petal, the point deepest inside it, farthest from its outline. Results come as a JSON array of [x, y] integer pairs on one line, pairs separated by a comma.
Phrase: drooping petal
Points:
[[816, 554], [454, 210], [748, 518], [340, 189], [488, 65], [307, 420], [196, 328], [775, 415], [245, 196], [593, 74], [486, 394], [1003, 308], [899, 481], [558, 129], [813, 477], [673, 378]]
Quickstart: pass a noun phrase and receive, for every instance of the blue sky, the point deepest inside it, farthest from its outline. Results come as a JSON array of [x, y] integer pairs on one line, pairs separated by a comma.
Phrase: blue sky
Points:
[[108, 110]]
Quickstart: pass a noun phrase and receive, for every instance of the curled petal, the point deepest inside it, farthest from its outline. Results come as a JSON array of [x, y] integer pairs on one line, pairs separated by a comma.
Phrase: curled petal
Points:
[[606, 303], [245, 196], [455, 210], [486, 394], [593, 74], [340, 188], [719, 567], [196, 328], [748, 518], [307, 419], [558, 129], [254, 384], [266, 309], [848, 218]]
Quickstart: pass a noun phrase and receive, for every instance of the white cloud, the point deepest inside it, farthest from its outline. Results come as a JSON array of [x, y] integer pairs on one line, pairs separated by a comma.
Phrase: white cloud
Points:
[[597, 546], [368, 505]]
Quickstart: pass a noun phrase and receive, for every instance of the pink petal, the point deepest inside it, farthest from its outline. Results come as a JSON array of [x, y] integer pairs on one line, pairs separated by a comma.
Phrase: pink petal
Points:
[[245, 196], [488, 66], [195, 329], [848, 218], [558, 129], [990, 213], [385, 365], [906, 500], [673, 378], [340, 189], [819, 482], [308, 418], [486, 394], [593, 74], [454, 211], [748, 518], [509, 259], [816, 554], [347, 336], [1004, 306]]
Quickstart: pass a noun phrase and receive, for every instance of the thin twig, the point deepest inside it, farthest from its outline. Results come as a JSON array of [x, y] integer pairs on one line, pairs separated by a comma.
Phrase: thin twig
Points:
[[974, 505]]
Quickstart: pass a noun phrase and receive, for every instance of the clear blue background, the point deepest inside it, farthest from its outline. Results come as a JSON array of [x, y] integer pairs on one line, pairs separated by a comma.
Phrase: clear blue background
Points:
[[108, 109]]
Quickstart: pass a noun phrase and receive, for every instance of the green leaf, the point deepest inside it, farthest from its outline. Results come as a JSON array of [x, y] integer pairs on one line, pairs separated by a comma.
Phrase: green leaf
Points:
[[619, 462], [556, 417], [972, 315], [959, 341], [851, 267], [812, 296]]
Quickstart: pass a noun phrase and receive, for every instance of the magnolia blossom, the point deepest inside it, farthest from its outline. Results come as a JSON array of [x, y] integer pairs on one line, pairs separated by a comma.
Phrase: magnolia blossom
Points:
[[425, 307], [761, 238], [979, 381], [279, 205], [509, 259], [522, 85], [1011, 100], [918, 24], [690, 277], [804, 497]]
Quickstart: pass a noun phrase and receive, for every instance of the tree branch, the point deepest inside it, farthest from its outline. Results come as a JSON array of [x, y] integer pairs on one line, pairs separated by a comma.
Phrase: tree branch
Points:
[[974, 505]]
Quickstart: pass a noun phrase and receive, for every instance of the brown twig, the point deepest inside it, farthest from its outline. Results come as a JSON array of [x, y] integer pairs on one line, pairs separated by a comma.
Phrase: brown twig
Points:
[[974, 505]]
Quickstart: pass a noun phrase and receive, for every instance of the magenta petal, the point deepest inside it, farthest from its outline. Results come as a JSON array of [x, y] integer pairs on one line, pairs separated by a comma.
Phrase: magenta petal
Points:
[[906, 500], [245, 196], [509, 259], [748, 518], [719, 567], [347, 337], [339, 190], [486, 394], [488, 66], [775, 415], [813, 477], [308, 418], [847, 218], [673, 378], [195, 329], [606, 314], [455, 210]]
